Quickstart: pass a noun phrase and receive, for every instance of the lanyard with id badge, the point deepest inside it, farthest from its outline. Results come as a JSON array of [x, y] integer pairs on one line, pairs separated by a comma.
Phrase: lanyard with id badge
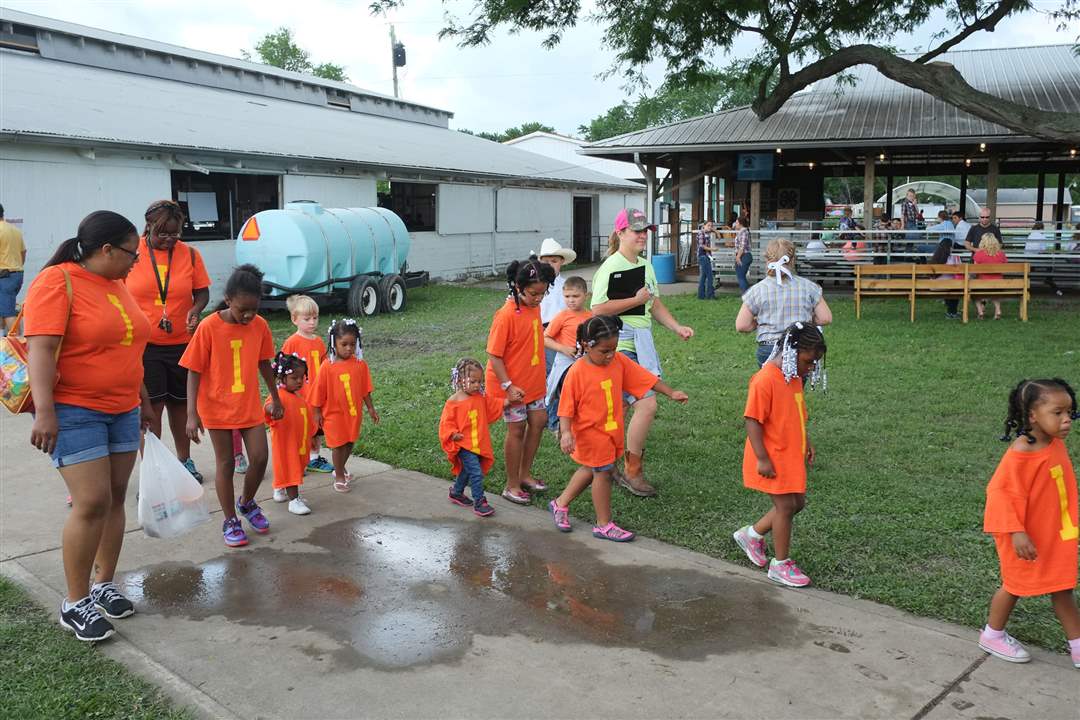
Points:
[[165, 324]]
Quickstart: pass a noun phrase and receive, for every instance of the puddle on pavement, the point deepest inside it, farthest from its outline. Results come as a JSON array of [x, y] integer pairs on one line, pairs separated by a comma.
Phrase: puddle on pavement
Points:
[[395, 593]]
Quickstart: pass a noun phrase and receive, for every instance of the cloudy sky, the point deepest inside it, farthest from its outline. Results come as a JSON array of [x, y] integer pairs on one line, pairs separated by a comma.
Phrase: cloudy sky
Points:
[[511, 81]]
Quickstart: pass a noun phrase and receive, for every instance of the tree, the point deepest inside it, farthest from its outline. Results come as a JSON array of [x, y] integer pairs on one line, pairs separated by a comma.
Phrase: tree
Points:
[[279, 49], [672, 102], [511, 133], [800, 43]]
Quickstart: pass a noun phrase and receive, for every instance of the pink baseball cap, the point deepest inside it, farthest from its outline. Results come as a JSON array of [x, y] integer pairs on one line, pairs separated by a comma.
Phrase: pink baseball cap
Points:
[[632, 218]]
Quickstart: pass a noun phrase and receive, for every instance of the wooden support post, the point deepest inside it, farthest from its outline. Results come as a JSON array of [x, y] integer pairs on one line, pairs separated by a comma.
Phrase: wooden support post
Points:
[[992, 167], [868, 192], [650, 204], [675, 213], [755, 206]]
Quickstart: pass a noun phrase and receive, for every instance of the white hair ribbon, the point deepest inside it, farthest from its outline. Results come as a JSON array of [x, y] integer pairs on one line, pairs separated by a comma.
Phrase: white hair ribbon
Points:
[[779, 267]]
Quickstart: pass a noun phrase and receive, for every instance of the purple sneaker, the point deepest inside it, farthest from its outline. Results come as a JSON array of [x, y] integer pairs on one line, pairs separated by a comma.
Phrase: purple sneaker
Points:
[[234, 533], [561, 516], [254, 515], [754, 548]]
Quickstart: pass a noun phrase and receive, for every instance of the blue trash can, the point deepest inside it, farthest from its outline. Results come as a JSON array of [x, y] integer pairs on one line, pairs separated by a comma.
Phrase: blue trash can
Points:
[[664, 267]]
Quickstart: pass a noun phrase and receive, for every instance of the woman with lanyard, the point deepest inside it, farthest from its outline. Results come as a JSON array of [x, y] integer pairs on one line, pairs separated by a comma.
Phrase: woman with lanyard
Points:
[[172, 288], [776, 301], [625, 285], [86, 338]]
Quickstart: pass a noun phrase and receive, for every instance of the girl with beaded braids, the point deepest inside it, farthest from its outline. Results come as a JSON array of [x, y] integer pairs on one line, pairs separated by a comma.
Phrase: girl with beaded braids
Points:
[[1031, 510], [290, 434], [344, 381], [464, 434], [591, 419], [516, 371], [777, 449]]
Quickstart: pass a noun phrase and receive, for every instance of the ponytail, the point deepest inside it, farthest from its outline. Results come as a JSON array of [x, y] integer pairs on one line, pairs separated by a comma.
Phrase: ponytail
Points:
[[613, 243], [99, 228]]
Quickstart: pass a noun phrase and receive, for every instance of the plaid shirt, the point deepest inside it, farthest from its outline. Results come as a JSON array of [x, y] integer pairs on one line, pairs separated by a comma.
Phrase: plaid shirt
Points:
[[742, 241], [910, 212], [704, 244], [776, 307]]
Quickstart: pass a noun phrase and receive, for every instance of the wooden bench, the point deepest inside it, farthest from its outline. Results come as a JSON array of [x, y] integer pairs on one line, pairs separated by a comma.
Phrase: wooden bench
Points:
[[959, 281]]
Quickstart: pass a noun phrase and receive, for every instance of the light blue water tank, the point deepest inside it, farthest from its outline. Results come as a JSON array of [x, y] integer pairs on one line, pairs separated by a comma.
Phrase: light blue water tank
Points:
[[305, 244]]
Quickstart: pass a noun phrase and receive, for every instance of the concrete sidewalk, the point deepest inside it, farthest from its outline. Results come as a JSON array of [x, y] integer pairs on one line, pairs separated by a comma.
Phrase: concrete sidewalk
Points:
[[391, 602]]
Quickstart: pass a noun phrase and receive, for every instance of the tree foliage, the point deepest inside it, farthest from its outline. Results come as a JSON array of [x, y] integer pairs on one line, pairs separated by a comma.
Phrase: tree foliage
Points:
[[511, 133], [799, 43], [280, 50]]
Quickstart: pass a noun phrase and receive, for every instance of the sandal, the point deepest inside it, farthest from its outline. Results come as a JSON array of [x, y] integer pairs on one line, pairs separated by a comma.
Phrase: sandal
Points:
[[997, 316], [522, 498], [534, 485], [341, 484], [612, 532]]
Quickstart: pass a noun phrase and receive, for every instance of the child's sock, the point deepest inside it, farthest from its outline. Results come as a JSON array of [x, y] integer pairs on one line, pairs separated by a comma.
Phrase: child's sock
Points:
[[753, 533], [778, 561], [1074, 645], [993, 634], [68, 606]]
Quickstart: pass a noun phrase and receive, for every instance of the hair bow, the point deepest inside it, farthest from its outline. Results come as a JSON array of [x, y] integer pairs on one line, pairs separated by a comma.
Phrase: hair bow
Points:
[[780, 268]]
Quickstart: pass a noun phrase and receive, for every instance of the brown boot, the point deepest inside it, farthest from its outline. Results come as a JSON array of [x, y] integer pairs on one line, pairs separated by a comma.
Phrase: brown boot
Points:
[[633, 477]]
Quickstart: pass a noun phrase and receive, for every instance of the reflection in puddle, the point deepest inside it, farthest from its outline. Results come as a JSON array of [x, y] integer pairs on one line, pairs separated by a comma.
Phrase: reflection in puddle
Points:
[[397, 593]]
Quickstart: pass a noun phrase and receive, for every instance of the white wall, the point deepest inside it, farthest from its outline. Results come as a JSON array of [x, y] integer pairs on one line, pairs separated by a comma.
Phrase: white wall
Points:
[[567, 151], [464, 209], [331, 192]]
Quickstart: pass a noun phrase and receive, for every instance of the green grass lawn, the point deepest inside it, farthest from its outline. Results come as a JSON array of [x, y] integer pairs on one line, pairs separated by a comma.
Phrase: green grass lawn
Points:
[[47, 673], [907, 438]]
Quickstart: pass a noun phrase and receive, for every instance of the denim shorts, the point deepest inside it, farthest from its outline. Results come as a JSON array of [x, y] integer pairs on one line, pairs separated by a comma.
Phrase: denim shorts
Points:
[[627, 397], [87, 434], [604, 468], [9, 290], [520, 413]]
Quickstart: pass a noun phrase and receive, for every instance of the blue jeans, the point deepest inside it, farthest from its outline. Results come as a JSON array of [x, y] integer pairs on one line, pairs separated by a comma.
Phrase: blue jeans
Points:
[[742, 268], [763, 353], [9, 290], [86, 434], [627, 397], [705, 284], [470, 471]]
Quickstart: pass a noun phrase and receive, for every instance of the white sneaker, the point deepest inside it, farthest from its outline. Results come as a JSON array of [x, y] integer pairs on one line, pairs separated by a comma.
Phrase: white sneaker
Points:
[[299, 507], [280, 495]]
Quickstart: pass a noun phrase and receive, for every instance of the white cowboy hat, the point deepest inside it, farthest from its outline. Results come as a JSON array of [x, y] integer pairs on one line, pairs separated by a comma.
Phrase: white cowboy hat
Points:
[[551, 246]]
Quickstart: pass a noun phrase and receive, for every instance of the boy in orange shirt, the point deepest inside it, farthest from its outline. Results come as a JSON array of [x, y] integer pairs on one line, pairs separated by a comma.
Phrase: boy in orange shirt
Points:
[[344, 382], [291, 434], [777, 448], [305, 342], [561, 338], [464, 434], [591, 419], [225, 357], [1031, 510]]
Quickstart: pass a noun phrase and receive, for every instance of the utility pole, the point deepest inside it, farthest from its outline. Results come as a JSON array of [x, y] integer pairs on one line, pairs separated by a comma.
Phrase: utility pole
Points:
[[393, 58]]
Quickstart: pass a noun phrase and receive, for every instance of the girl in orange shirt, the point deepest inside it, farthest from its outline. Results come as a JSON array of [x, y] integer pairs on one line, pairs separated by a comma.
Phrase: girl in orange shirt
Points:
[[591, 419], [225, 357], [306, 343], [464, 435], [291, 434], [516, 371], [777, 448], [344, 381], [1031, 510]]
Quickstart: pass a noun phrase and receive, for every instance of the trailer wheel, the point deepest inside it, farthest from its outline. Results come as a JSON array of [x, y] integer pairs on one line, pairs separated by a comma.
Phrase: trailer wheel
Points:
[[392, 293], [363, 300]]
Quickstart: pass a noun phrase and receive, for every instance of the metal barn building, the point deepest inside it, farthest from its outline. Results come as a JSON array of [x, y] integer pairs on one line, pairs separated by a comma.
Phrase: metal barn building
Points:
[[91, 119]]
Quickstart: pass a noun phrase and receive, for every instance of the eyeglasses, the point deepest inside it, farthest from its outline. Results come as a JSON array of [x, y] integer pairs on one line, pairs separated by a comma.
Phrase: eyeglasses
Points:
[[167, 236], [133, 253]]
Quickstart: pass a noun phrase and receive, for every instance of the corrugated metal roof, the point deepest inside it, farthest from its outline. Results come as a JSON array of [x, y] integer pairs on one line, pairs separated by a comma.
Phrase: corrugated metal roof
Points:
[[877, 109], [50, 99]]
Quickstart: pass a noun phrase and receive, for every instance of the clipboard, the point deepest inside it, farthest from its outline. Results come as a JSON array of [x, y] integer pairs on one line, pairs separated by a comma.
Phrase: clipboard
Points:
[[624, 285]]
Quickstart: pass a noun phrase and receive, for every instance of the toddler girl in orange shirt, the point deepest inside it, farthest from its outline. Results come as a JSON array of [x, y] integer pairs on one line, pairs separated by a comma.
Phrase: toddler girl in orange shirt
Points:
[[291, 434]]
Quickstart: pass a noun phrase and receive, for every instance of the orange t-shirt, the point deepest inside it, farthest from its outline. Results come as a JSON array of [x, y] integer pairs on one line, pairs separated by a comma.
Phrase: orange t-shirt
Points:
[[313, 351], [185, 278], [563, 327], [471, 418], [592, 397], [1035, 493], [781, 409], [517, 338], [100, 365], [339, 393], [290, 438], [227, 355]]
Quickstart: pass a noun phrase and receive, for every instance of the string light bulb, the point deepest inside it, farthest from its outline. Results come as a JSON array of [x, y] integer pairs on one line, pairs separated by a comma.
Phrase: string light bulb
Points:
[[811, 166], [881, 157], [778, 151], [967, 162], [982, 147], [1072, 153]]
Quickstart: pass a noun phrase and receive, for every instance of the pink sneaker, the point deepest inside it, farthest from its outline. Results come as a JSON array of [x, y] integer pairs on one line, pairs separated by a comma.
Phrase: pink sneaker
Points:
[[754, 548], [612, 532], [561, 516], [1076, 658], [787, 573], [1006, 647]]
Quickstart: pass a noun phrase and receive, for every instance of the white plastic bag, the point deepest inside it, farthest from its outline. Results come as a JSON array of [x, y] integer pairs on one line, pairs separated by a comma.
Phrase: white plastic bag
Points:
[[171, 502]]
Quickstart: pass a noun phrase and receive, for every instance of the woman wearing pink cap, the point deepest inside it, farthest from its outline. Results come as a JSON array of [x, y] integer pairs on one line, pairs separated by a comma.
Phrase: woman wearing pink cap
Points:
[[625, 285]]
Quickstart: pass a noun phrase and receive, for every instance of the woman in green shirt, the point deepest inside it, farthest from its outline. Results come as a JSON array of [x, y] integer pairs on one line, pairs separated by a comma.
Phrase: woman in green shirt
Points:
[[625, 285]]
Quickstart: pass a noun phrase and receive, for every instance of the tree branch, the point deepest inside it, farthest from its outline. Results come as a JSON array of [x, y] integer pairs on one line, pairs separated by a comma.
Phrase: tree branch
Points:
[[941, 80], [988, 23]]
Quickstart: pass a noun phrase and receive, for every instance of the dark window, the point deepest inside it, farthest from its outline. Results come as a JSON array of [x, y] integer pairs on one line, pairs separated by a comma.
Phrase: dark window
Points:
[[217, 205], [414, 203]]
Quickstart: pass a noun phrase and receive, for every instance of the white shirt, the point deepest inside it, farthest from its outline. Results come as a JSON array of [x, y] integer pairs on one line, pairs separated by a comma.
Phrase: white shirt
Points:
[[553, 303], [1033, 246], [961, 232]]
